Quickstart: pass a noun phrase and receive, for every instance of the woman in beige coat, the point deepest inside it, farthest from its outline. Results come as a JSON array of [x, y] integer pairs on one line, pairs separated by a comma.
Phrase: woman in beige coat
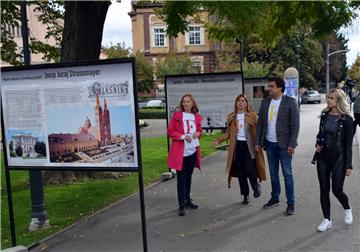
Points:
[[243, 161]]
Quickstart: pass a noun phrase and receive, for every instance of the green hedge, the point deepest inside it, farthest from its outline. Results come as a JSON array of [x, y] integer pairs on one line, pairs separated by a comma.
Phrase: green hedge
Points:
[[152, 113]]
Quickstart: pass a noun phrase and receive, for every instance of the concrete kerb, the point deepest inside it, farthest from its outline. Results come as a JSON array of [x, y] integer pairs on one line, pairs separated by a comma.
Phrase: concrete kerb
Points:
[[96, 213], [15, 249]]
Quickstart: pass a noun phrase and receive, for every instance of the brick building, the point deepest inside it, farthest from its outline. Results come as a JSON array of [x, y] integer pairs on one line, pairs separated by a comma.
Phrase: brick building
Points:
[[149, 36]]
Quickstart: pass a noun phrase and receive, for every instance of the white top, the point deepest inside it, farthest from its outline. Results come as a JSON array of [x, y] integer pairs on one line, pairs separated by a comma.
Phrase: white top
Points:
[[240, 120], [189, 129], [272, 118]]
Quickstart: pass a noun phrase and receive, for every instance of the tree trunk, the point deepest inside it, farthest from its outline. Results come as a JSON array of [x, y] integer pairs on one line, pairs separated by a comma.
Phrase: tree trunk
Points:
[[83, 29]]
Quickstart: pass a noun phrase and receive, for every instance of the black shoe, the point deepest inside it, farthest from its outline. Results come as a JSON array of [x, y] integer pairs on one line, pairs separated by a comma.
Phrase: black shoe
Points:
[[181, 211], [190, 205], [257, 192], [246, 200], [290, 210], [271, 203]]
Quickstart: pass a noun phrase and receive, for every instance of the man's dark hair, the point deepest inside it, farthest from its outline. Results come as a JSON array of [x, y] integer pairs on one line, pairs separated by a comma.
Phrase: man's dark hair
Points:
[[279, 82]]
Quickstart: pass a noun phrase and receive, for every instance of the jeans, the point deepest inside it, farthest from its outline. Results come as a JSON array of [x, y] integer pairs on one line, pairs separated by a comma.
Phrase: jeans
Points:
[[275, 154], [184, 179], [331, 167]]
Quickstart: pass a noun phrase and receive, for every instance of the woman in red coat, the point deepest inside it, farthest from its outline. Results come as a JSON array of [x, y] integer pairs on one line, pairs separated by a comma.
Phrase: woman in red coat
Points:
[[185, 130]]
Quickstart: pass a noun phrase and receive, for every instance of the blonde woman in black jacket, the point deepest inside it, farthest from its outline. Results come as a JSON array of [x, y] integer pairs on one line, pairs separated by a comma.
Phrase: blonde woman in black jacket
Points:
[[334, 158]]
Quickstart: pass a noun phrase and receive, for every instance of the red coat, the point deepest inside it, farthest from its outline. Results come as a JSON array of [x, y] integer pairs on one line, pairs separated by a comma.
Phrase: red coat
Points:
[[175, 131]]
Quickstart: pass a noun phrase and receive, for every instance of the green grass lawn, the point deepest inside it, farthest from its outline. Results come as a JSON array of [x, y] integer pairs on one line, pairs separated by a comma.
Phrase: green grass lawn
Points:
[[66, 204]]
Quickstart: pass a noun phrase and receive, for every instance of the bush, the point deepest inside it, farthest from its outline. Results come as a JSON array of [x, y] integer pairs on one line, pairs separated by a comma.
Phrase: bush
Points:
[[152, 113]]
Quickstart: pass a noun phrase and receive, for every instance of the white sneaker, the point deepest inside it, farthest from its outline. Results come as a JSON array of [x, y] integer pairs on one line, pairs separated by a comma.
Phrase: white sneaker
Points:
[[348, 218], [324, 225]]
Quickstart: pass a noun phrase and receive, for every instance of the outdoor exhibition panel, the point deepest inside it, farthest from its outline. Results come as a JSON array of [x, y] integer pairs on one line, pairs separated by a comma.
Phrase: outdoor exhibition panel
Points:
[[80, 115], [214, 92], [71, 116], [256, 89], [292, 87]]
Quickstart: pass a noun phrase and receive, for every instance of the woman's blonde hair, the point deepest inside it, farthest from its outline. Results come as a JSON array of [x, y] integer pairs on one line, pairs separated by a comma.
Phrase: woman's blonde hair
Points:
[[342, 104], [247, 102], [195, 107]]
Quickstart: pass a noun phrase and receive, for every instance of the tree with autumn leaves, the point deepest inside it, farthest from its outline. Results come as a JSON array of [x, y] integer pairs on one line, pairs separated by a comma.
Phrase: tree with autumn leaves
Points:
[[272, 23], [354, 71], [275, 33]]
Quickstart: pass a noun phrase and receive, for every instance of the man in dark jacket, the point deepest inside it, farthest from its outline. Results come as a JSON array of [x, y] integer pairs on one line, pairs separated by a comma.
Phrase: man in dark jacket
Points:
[[277, 131]]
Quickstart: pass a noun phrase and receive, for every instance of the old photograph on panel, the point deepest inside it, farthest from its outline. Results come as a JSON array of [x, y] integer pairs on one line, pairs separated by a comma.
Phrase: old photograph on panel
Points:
[[26, 144], [259, 92], [94, 134]]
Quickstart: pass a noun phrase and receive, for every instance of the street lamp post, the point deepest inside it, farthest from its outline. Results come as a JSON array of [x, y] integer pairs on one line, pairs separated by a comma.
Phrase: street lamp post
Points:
[[328, 54], [241, 43], [39, 217]]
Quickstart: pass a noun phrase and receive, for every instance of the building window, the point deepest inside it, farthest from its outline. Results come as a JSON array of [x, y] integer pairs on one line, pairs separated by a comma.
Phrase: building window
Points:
[[194, 35], [159, 37], [154, 60], [197, 67], [15, 31]]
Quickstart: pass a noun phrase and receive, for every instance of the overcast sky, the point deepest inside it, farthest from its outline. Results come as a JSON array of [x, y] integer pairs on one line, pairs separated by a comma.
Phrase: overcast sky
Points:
[[118, 29]]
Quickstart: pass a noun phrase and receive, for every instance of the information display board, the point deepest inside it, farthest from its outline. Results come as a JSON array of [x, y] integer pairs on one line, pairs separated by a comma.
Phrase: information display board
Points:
[[71, 115], [291, 78], [292, 87], [215, 94]]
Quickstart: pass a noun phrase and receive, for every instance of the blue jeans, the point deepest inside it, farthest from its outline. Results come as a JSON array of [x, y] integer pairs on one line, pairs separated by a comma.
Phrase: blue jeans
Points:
[[274, 155]]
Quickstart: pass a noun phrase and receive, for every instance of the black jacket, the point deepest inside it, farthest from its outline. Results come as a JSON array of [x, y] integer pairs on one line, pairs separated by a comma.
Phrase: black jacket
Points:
[[344, 137]]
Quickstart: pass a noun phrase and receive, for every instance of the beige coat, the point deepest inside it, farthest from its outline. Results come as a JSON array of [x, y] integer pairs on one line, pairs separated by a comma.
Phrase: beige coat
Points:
[[250, 133]]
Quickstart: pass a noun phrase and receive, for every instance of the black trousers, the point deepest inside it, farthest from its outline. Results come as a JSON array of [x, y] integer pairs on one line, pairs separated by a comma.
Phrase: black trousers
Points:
[[244, 168], [356, 122], [184, 179], [330, 167]]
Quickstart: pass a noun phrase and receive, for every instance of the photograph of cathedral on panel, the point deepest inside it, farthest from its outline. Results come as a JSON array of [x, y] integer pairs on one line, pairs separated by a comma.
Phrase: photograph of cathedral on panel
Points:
[[99, 133], [26, 144]]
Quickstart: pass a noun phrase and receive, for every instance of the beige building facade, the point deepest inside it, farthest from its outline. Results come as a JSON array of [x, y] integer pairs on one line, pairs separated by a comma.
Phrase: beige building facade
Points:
[[36, 30], [149, 36]]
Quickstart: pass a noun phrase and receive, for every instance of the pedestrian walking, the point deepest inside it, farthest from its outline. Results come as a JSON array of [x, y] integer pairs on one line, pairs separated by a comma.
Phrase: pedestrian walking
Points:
[[185, 130], [277, 131], [243, 162], [334, 158], [356, 108]]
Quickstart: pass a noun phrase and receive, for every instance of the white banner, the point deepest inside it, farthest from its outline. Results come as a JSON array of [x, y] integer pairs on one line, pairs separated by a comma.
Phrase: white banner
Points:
[[214, 93]]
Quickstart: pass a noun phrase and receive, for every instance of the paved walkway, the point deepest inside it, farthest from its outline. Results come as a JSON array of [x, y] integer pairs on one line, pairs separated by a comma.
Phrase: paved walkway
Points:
[[156, 128], [222, 223]]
